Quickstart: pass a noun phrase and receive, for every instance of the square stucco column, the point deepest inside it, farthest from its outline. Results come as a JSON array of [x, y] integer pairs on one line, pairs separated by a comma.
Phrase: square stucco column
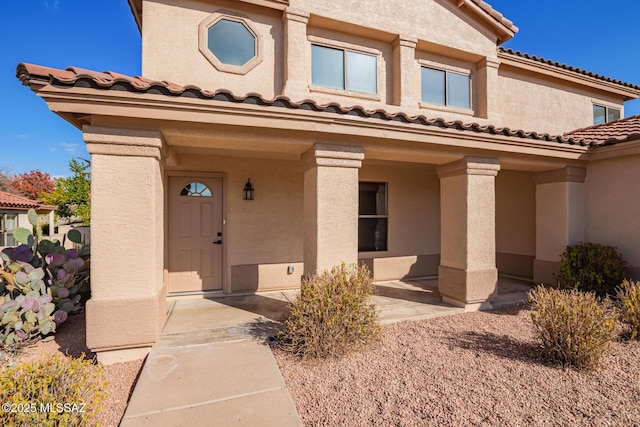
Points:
[[330, 206], [127, 308], [467, 276], [560, 218], [489, 96], [297, 58], [406, 72]]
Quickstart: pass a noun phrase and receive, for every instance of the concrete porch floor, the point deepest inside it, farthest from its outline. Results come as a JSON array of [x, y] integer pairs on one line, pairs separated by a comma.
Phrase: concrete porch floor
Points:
[[211, 366]]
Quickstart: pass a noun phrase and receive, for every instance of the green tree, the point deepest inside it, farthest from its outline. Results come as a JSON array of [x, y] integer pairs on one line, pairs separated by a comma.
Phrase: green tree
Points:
[[72, 195]]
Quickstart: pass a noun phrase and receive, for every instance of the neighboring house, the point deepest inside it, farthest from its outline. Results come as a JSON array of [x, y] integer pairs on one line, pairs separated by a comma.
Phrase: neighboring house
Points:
[[13, 214], [382, 132]]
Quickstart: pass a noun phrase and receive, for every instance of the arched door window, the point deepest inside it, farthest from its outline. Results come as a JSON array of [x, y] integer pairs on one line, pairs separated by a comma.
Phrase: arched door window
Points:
[[195, 189]]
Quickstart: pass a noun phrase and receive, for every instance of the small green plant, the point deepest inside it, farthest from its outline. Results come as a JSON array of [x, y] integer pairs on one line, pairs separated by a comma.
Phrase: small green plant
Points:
[[575, 328], [56, 391], [591, 267], [628, 297], [332, 315]]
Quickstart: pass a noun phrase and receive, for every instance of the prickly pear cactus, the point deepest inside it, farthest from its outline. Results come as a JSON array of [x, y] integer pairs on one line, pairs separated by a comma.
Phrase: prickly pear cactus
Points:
[[40, 284]]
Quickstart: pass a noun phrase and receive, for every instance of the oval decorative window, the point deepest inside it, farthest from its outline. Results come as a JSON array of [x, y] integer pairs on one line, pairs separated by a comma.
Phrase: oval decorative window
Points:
[[195, 189]]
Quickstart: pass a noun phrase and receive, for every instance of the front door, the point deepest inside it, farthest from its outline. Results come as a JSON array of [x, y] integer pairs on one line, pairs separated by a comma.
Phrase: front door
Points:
[[195, 234]]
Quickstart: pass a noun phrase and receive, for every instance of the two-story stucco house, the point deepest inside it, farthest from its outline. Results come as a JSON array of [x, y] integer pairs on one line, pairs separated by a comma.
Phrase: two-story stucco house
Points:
[[300, 134]]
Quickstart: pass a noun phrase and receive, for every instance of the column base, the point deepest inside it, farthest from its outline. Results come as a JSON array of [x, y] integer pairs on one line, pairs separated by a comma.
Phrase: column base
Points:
[[464, 288], [122, 356], [120, 324], [545, 271]]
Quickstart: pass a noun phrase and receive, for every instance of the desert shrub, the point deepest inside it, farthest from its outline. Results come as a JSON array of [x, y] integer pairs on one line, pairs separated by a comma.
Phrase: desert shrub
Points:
[[56, 391], [628, 297], [40, 284], [591, 267], [332, 315], [575, 328]]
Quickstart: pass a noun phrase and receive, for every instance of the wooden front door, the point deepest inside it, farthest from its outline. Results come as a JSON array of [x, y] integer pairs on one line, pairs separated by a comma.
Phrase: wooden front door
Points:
[[195, 234]]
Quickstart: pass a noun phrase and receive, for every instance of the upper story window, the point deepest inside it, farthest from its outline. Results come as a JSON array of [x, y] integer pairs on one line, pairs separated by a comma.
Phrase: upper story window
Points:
[[344, 69], [602, 114], [230, 43], [444, 87]]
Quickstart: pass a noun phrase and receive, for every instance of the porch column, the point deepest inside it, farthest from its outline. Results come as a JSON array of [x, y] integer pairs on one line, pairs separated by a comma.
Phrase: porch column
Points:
[[297, 58], [126, 311], [406, 71], [560, 218], [330, 206], [467, 276]]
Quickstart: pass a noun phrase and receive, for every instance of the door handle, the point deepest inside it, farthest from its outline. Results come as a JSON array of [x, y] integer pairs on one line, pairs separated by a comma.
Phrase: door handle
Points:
[[217, 242]]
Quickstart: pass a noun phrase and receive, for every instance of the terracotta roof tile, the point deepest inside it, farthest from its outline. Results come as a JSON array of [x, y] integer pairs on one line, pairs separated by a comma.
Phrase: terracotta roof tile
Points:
[[30, 74], [496, 15], [8, 200], [622, 130], [567, 67]]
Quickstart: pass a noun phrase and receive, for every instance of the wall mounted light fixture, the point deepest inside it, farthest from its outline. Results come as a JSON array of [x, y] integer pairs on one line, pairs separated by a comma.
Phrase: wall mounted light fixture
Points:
[[248, 190]]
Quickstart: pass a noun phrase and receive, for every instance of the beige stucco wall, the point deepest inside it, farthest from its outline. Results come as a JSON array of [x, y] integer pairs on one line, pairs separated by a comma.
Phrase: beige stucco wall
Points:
[[438, 22], [534, 103], [515, 222], [613, 206], [170, 46]]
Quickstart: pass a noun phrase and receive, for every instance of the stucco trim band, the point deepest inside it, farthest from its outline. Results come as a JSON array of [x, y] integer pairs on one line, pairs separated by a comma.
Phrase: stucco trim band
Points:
[[124, 142], [339, 156], [467, 286], [566, 174], [470, 165]]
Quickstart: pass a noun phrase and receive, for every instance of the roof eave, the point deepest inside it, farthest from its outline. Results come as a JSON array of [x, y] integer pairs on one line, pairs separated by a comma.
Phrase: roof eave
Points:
[[136, 10], [628, 93], [504, 32]]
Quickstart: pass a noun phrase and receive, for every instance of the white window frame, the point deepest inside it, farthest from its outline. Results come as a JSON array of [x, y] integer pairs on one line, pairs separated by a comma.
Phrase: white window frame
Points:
[[334, 44], [3, 231]]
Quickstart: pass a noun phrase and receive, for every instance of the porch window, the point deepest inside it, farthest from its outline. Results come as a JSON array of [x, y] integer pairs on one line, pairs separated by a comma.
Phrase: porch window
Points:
[[602, 114], [443, 87], [195, 189], [372, 217], [8, 223], [343, 69]]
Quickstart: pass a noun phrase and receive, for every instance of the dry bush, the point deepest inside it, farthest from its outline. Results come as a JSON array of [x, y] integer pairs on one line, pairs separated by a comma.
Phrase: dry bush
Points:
[[332, 315], [628, 297], [57, 391], [575, 328]]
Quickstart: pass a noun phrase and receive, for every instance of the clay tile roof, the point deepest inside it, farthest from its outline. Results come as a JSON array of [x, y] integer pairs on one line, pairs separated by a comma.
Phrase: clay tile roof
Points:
[[566, 67], [496, 15], [12, 201], [34, 74], [622, 130]]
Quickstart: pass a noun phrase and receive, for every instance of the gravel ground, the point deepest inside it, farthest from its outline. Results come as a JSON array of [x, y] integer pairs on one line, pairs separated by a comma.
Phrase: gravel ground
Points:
[[476, 369], [70, 340]]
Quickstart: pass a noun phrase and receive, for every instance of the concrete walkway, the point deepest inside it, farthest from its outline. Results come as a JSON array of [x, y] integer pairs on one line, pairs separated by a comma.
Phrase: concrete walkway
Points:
[[212, 366]]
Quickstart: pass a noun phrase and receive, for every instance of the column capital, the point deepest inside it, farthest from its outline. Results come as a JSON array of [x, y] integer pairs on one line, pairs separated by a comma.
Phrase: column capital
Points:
[[293, 14], [405, 41], [340, 156], [490, 62], [124, 142], [566, 174], [470, 166]]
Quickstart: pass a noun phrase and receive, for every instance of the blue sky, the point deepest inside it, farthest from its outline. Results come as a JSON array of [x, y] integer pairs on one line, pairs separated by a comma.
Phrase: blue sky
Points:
[[103, 36]]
